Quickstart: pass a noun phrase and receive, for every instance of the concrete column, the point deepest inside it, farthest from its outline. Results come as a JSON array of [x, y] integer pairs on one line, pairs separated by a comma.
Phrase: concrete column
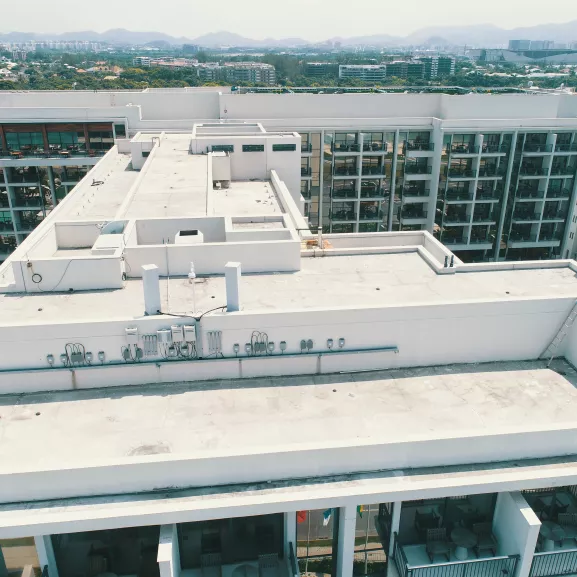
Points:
[[3, 568], [290, 532], [151, 286], [45, 552], [393, 182], [437, 140], [232, 273], [168, 552], [395, 524], [346, 547], [516, 528], [52, 185]]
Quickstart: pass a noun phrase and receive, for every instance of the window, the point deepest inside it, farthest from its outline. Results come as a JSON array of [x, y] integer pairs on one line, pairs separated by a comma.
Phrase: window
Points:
[[253, 147], [24, 141], [101, 139], [120, 130], [222, 148], [66, 141], [284, 147]]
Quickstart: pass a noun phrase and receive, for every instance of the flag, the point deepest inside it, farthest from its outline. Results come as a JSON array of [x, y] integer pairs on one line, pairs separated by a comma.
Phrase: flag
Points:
[[361, 510], [327, 517], [301, 516]]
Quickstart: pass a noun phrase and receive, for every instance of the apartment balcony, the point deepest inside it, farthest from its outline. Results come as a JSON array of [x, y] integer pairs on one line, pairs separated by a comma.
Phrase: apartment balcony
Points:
[[562, 194], [456, 219], [414, 169], [523, 240], [536, 149], [533, 172], [451, 240], [366, 214], [20, 154], [375, 146], [563, 171], [373, 170], [306, 148], [415, 194], [555, 215], [343, 193], [530, 193], [526, 216], [488, 218], [461, 173], [501, 149], [343, 215], [490, 172], [566, 148], [338, 147], [20, 201], [6, 225], [481, 242], [305, 172], [345, 171], [463, 150], [452, 196], [414, 145], [488, 195], [414, 213], [373, 193]]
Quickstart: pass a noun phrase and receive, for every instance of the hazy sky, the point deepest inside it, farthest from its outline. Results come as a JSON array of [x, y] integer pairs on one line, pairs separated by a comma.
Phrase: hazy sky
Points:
[[310, 19]]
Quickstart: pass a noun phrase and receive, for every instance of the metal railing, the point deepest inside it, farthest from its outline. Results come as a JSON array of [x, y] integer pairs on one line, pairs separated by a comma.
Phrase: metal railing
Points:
[[564, 192], [342, 147], [17, 154], [537, 147], [413, 214], [545, 237], [530, 193], [417, 169], [488, 194], [346, 171], [306, 147], [374, 146], [342, 215], [343, 193], [370, 215], [558, 170], [480, 240], [413, 145], [503, 566], [305, 171], [457, 218], [533, 171], [373, 170], [455, 196], [461, 173], [526, 216], [518, 237], [477, 218], [373, 193], [464, 149], [410, 191], [553, 563], [494, 149], [566, 148], [555, 215], [490, 172], [453, 240]]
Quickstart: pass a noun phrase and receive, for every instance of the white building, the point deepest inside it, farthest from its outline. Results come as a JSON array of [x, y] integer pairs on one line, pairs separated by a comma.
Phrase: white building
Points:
[[194, 384], [142, 61], [491, 176]]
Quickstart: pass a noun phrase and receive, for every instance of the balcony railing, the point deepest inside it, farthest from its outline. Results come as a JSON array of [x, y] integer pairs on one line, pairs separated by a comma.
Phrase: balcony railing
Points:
[[530, 193], [533, 171], [521, 237], [562, 170], [566, 147], [461, 173], [371, 214], [294, 568], [346, 171], [555, 215], [343, 193], [6, 225], [34, 201], [372, 170], [413, 214], [537, 147], [488, 194], [417, 169], [459, 218], [305, 171], [553, 563], [464, 149], [373, 193], [548, 237], [414, 145], [376, 146], [413, 191], [306, 147], [342, 215], [564, 192], [494, 149], [525, 216], [343, 147], [460, 195], [480, 240], [490, 171], [477, 218], [17, 154], [453, 239]]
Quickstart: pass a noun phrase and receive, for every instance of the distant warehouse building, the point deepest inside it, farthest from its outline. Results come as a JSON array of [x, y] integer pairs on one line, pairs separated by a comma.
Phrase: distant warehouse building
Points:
[[369, 72]]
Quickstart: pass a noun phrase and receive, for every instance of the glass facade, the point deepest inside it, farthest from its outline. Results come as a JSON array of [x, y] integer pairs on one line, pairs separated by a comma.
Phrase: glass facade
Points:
[[17, 554], [317, 541]]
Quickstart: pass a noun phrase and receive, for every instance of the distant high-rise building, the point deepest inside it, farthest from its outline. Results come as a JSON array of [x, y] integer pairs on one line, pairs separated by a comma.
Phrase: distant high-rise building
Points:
[[316, 69], [438, 66], [368, 72], [190, 48], [141, 61], [519, 44]]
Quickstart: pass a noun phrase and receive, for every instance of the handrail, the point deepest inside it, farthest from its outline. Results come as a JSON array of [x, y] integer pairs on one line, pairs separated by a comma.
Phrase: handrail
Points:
[[467, 561], [544, 553]]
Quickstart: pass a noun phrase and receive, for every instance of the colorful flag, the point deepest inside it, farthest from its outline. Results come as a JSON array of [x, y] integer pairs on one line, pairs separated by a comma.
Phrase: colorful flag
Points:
[[361, 510], [327, 517], [301, 516]]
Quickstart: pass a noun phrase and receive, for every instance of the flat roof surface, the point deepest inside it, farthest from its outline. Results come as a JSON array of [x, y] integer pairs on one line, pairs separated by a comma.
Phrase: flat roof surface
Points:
[[358, 281], [99, 427]]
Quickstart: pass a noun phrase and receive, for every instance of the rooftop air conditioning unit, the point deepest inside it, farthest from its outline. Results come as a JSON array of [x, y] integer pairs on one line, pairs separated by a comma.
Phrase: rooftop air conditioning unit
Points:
[[189, 237]]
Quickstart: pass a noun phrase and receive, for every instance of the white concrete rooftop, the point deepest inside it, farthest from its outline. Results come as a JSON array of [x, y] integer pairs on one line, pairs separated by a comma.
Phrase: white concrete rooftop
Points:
[[262, 429], [359, 281]]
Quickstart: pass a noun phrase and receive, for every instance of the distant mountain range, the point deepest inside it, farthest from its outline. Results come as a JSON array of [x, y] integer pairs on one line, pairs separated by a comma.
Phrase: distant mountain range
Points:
[[486, 35]]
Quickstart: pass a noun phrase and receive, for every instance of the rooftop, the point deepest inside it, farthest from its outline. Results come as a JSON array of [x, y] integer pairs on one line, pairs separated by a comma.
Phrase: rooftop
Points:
[[434, 411]]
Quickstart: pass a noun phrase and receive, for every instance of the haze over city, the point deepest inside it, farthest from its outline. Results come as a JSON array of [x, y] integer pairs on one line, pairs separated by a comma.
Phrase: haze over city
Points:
[[314, 20]]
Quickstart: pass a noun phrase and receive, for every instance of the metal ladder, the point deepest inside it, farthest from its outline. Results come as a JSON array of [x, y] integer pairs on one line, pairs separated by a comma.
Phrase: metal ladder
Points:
[[550, 351]]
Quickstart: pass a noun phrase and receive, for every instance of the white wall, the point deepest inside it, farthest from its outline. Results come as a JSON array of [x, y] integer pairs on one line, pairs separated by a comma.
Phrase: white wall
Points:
[[158, 230], [168, 551], [516, 528], [77, 234]]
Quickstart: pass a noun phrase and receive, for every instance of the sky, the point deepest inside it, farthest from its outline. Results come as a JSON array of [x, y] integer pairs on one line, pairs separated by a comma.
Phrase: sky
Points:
[[310, 19]]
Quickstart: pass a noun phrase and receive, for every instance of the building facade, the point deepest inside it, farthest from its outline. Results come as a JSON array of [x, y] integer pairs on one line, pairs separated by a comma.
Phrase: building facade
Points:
[[369, 72], [195, 384], [483, 173]]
